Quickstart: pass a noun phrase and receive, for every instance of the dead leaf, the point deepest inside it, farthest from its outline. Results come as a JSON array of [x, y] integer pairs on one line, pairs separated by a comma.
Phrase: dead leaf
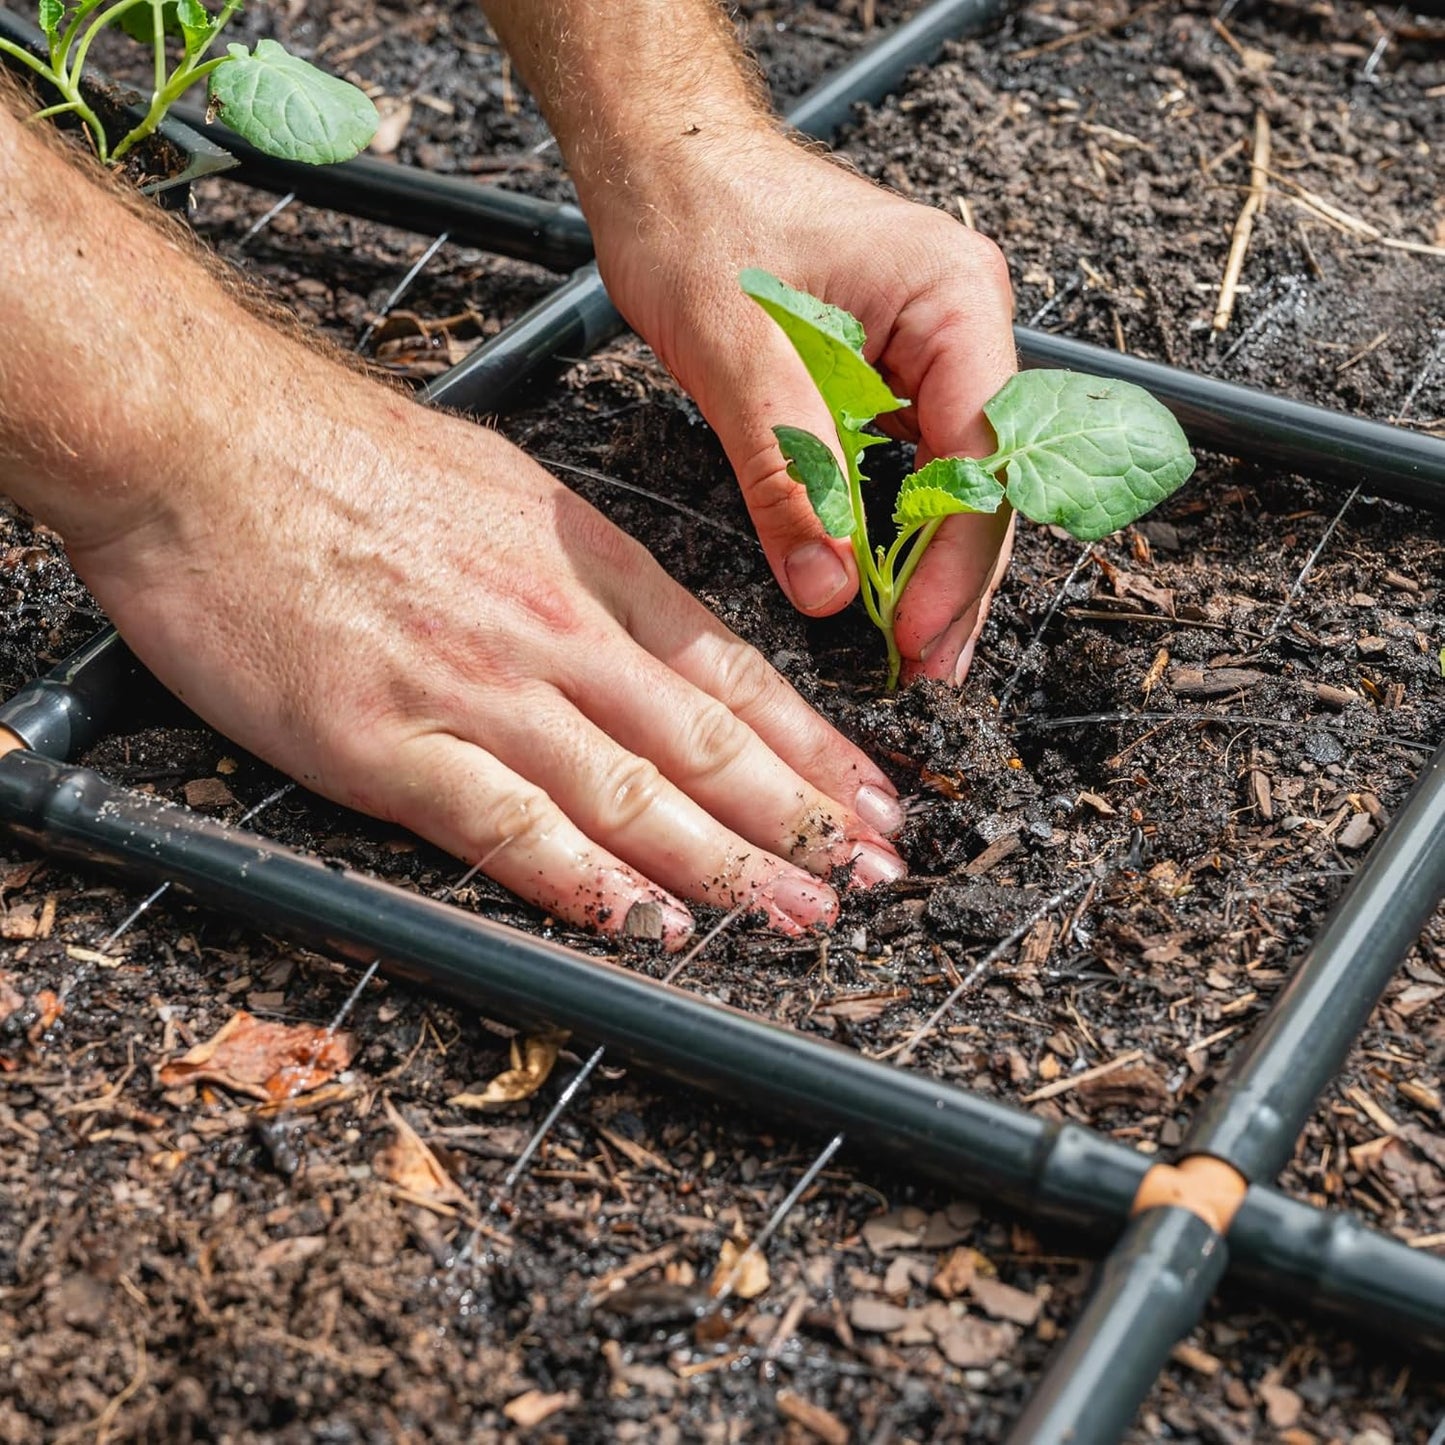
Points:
[[408, 1163], [740, 1271], [955, 1273], [532, 1063], [535, 1406], [1129, 584], [262, 1059]]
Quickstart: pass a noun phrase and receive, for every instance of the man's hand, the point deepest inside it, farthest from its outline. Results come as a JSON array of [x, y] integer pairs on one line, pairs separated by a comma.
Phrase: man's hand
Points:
[[686, 180], [396, 607], [934, 299]]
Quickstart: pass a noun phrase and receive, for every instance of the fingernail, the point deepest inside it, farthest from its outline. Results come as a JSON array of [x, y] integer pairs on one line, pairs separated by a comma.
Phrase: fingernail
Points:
[[872, 864], [965, 661], [803, 901], [816, 575], [878, 809]]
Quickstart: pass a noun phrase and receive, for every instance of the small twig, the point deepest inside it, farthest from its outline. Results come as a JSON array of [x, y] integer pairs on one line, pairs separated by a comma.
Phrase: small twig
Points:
[[1062, 1086], [558, 465], [904, 1051], [1244, 226], [1092, 32]]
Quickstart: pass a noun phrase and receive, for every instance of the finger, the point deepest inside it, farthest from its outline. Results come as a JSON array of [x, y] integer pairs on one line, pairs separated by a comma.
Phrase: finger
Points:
[[714, 757], [464, 800], [623, 801], [745, 389], [946, 604], [956, 342], [679, 631]]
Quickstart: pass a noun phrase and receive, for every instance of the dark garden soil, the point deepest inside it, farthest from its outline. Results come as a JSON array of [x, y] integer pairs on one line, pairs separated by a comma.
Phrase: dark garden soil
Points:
[[177, 1261]]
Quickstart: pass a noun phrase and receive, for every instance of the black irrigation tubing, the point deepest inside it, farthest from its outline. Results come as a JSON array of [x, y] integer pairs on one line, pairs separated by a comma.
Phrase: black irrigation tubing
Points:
[[1159, 1278], [489, 218], [1057, 1173], [578, 317]]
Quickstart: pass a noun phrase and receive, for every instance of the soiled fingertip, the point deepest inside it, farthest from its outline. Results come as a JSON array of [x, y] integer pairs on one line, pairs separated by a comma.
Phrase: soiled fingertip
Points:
[[796, 903]]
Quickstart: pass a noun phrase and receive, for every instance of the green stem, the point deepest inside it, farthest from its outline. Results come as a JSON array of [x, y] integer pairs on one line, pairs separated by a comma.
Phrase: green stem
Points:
[[187, 74], [63, 108], [911, 562], [158, 38], [26, 58], [96, 26]]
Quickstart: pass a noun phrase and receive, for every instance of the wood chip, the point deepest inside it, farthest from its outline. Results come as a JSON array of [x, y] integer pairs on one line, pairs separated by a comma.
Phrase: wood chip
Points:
[[993, 855], [955, 1273], [529, 1410], [1212, 682], [208, 793], [813, 1418], [876, 1316], [970, 1344], [1005, 1302]]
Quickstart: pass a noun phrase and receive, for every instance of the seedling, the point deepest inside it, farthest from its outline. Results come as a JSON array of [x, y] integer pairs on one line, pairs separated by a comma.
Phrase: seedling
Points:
[[281, 104], [1082, 452]]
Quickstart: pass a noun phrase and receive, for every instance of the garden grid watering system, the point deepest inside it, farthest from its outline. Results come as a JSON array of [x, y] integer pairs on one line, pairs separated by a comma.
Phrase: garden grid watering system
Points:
[[1179, 1228]]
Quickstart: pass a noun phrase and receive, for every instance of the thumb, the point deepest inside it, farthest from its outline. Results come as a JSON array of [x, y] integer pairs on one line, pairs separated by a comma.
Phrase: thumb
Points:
[[745, 389]]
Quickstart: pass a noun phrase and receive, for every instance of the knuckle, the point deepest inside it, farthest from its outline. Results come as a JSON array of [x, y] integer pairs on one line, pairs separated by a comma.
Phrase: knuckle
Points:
[[526, 820], [746, 679], [626, 793], [767, 487], [714, 740]]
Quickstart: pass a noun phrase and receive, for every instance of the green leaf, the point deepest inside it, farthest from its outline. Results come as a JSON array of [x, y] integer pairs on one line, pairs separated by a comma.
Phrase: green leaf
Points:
[[286, 107], [1083, 452], [829, 342], [139, 22], [196, 25], [945, 486], [52, 14], [811, 462]]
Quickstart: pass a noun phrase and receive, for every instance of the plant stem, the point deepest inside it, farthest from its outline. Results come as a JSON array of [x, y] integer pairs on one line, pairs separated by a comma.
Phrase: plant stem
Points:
[[26, 58]]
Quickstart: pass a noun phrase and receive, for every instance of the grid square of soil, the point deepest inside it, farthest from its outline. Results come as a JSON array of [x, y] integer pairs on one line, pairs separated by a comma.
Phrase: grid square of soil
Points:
[[178, 1261]]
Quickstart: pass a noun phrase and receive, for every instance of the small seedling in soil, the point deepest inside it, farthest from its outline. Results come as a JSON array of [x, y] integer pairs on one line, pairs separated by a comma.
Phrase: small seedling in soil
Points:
[[1081, 452], [281, 104]]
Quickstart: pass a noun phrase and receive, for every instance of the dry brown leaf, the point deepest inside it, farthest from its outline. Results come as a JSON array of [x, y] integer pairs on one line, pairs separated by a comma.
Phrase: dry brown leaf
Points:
[[739, 1272], [955, 1272], [262, 1059], [532, 1062], [408, 1163]]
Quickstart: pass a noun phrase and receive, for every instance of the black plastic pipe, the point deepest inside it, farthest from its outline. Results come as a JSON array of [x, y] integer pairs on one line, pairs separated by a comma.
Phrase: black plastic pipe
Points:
[[1254, 1116], [1151, 1291], [558, 325], [1143, 1300], [506, 223], [68, 709], [1241, 421], [1056, 1173]]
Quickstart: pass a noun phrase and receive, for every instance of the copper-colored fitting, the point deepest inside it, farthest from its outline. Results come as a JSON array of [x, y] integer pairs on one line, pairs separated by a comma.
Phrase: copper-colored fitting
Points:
[[9, 742], [1204, 1186]]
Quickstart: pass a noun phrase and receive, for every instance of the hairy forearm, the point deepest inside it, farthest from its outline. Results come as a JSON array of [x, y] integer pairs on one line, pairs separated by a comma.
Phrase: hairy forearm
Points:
[[634, 90], [124, 354]]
